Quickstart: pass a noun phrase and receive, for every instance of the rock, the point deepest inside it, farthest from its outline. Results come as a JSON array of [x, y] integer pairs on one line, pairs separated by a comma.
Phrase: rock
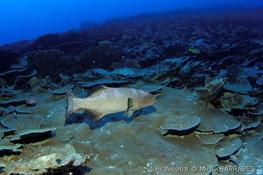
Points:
[[230, 101], [98, 56], [7, 58], [60, 91], [64, 78], [22, 80], [182, 124], [216, 120], [210, 138], [194, 51], [16, 110], [102, 82], [212, 90], [125, 72], [197, 80], [251, 152], [8, 92], [202, 46], [2, 82], [188, 69], [252, 124], [228, 147], [175, 60], [12, 73], [100, 72], [22, 63], [97, 73], [9, 150], [127, 63], [33, 135], [31, 101], [238, 88], [251, 72], [51, 63], [35, 82], [260, 81], [148, 87], [105, 43], [2, 124]]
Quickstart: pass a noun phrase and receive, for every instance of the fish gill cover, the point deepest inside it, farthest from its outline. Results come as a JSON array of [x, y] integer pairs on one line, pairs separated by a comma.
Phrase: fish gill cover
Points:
[[170, 87]]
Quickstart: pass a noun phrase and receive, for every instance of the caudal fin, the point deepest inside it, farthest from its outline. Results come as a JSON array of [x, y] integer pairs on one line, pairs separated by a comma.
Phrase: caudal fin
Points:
[[71, 107]]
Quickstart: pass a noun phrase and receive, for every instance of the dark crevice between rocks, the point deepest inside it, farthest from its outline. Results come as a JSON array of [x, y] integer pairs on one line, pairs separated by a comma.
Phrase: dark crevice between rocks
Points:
[[182, 132], [12, 103], [33, 137], [74, 170], [9, 151]]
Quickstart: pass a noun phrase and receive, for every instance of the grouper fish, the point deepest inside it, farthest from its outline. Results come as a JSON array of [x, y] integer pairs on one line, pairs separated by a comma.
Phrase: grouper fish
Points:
[[106, 100]]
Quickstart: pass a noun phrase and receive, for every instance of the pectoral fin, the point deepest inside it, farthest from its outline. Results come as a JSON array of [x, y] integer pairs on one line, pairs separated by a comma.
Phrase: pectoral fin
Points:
[[130, 104], [130, 107], [96, 115]]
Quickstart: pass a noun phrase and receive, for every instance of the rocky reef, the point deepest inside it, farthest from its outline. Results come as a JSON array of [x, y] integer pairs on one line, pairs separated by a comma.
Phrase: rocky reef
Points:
[[207, 120]]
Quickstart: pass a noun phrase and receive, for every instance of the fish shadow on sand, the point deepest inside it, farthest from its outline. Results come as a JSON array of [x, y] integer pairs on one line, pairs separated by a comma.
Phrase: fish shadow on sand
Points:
[[85, 117]]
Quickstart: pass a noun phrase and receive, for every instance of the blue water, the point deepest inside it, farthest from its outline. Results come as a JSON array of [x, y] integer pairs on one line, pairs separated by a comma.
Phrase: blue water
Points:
[[27, 19]]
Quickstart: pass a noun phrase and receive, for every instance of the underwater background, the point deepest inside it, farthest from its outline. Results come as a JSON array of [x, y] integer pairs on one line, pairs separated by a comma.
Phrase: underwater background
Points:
[[131, 87]]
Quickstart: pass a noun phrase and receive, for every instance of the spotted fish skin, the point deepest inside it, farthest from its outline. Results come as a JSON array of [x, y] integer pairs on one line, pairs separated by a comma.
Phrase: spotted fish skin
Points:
[[108, 100]]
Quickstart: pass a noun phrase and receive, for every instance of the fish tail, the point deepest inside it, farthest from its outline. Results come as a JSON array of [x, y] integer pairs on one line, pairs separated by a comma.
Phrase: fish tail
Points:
[[71, 107]]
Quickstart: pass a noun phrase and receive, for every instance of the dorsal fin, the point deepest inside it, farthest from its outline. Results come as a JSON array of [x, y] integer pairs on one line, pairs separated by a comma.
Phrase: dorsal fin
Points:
[[97, 90]]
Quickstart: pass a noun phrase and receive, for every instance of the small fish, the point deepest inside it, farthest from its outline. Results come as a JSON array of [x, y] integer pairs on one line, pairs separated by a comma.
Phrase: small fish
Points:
[[108, 100]]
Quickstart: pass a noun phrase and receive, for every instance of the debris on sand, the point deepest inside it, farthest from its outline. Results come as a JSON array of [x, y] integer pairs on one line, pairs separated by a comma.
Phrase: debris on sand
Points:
[[56, 161]]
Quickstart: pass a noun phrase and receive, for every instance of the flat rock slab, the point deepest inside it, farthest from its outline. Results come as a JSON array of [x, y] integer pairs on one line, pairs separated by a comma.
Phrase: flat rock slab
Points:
[[126, 72], [148, 87], [251, 153], [228, 147], [60, 91], [180, 124], [16, 110], [33, 135], [217, 121], [238, 88], [210, 138], [252, 124], [184, 102], [230, 101], [260, 81], [102, 82]]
